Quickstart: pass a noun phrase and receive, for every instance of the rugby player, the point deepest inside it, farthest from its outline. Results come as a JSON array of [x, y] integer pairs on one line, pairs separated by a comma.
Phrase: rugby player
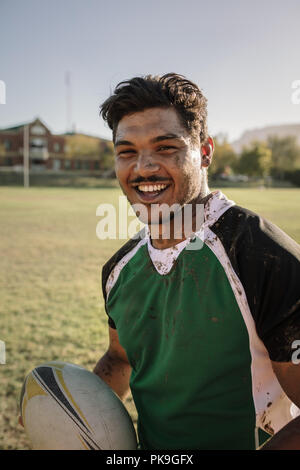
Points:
[[202, 324]]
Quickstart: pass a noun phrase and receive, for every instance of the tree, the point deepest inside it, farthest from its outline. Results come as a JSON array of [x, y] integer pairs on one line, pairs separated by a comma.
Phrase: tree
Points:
[[107, 156], [80, 145], [2, 149], [255, 160], [89, 147], [224, 157], [285, 155]]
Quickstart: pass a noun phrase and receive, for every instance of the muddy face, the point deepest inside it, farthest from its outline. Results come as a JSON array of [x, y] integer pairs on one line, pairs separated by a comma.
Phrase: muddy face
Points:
[[156, 162]]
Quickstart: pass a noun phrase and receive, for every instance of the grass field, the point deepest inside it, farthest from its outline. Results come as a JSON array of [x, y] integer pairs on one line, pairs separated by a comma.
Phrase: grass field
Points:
[[51, 301]]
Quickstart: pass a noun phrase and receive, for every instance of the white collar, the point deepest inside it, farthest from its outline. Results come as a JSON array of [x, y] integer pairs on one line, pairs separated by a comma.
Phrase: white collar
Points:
[[163, 260]]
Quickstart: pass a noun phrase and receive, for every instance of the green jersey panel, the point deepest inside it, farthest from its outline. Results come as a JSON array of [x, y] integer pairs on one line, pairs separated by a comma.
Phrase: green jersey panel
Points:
[[189, 352]]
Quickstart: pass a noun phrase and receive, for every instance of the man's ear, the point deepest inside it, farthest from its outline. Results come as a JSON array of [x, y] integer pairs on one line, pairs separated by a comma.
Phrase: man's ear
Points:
[[207, 151]]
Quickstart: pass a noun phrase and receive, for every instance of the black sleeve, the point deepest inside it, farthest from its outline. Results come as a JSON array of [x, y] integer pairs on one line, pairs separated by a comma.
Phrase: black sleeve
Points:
[[111, 323], [267, 262], [112, 262]]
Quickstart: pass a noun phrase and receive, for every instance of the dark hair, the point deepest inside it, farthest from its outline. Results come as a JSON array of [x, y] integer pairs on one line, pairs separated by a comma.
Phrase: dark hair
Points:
[[140, 93]]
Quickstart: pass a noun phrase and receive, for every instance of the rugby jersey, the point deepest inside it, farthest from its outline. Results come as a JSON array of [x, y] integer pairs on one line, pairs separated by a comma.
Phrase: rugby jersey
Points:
[[200, 323]]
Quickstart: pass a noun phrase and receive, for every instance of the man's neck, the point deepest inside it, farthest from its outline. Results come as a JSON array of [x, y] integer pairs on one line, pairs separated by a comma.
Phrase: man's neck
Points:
[[172, 233]]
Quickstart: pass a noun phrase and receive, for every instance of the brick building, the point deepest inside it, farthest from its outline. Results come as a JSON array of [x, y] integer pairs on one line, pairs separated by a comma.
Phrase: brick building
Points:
[[47, 151]]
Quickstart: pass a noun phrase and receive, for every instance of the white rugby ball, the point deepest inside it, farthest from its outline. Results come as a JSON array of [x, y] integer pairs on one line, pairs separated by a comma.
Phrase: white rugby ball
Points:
[[66, 407]]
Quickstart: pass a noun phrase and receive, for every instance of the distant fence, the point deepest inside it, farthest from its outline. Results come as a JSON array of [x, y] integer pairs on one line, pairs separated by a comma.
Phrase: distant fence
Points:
[[59, 179], [9, 177], [251, 183]]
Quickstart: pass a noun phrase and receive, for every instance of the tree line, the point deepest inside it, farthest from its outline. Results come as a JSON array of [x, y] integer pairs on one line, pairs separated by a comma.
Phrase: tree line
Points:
[[277, 157]]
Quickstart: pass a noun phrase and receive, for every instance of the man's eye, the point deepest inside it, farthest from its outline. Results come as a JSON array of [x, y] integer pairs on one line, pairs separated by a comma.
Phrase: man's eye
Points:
[[126, 153], [163, 148]]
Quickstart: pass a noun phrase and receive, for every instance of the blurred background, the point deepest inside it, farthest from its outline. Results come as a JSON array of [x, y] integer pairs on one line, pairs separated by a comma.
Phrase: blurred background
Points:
[[59, 60]]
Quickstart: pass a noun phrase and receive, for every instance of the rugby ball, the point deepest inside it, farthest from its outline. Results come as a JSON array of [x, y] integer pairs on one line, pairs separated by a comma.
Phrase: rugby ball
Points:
[[66, 407]]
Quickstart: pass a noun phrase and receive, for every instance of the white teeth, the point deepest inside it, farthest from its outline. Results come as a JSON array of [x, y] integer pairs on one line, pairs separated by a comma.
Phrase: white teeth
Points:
[[150, 188]]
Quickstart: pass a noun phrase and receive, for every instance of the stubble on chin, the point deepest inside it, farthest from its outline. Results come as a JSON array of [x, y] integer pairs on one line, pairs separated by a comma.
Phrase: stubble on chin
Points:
[[194, 188]]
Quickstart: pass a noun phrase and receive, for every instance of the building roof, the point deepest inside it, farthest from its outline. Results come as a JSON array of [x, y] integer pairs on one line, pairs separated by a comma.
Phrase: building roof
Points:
[[14, 128], [75, 134], [18, 127]]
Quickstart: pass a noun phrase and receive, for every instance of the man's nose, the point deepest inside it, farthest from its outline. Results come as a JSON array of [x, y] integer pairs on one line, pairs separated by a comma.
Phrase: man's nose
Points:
[[146, 164]]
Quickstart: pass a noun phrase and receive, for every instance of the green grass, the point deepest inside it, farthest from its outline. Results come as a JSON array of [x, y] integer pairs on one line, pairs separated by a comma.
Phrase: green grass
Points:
[[51, 300]]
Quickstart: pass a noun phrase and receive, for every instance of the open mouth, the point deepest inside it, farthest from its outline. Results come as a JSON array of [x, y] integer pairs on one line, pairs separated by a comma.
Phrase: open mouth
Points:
[[150, 191]]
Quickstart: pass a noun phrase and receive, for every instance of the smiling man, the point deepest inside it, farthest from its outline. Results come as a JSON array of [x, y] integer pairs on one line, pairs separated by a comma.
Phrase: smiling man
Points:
[[202, 333]]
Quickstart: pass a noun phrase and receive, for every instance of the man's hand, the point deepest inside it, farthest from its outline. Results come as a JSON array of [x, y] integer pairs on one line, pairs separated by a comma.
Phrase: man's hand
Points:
[[114, 367]]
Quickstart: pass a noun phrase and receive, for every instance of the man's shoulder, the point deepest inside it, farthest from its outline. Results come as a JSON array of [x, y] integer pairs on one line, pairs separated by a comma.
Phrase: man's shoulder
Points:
[[267, 262], [120, 254], [242, 229]]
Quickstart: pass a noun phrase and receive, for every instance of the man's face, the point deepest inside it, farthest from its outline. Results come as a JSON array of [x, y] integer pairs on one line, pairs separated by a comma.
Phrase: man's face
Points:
[[156, 162]]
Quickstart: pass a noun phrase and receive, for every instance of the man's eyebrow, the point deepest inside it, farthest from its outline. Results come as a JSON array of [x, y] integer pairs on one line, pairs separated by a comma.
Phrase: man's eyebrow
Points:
[[123, 142], [159, 138]]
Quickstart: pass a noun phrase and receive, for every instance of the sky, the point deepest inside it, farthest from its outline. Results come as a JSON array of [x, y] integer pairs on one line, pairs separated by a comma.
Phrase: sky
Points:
[[244, 55]]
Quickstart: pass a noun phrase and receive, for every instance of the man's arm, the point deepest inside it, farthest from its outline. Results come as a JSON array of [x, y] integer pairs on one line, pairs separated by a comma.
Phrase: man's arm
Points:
[[114, 367], [288, 438]]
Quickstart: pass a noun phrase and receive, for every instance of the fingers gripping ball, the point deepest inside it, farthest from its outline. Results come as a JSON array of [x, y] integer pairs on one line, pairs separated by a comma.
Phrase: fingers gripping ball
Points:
[[64, 406]]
